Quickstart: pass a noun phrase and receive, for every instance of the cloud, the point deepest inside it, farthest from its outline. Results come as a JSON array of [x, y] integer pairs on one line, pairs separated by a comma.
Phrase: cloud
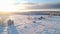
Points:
[[45, 6], [24, 5], [39, 6]]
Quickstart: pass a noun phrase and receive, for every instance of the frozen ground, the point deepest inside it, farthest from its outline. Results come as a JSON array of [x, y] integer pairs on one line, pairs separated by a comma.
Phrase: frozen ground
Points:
[[32, 24]]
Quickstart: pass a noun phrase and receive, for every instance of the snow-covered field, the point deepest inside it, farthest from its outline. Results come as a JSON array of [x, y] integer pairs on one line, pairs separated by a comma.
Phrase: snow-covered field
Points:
[[32, 24]]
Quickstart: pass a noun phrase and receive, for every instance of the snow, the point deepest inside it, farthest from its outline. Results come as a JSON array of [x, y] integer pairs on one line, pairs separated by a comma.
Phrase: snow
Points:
[[31, 24]]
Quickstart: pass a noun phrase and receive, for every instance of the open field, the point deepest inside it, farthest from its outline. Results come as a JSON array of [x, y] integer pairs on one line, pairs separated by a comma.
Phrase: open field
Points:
[[31, 24]]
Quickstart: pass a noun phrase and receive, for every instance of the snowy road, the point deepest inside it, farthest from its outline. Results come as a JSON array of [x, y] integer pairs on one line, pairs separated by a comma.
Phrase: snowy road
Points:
[[32, 24]]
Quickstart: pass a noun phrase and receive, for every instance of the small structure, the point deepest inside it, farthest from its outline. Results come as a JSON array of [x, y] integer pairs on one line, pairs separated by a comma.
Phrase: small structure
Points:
[[10, 22]]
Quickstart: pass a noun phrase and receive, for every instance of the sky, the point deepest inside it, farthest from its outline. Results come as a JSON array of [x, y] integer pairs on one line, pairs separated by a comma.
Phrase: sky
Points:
[[38, 1], [17, 5]]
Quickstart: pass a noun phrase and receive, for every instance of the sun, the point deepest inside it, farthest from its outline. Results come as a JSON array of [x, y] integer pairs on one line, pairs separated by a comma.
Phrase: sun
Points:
[[7, 6]]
